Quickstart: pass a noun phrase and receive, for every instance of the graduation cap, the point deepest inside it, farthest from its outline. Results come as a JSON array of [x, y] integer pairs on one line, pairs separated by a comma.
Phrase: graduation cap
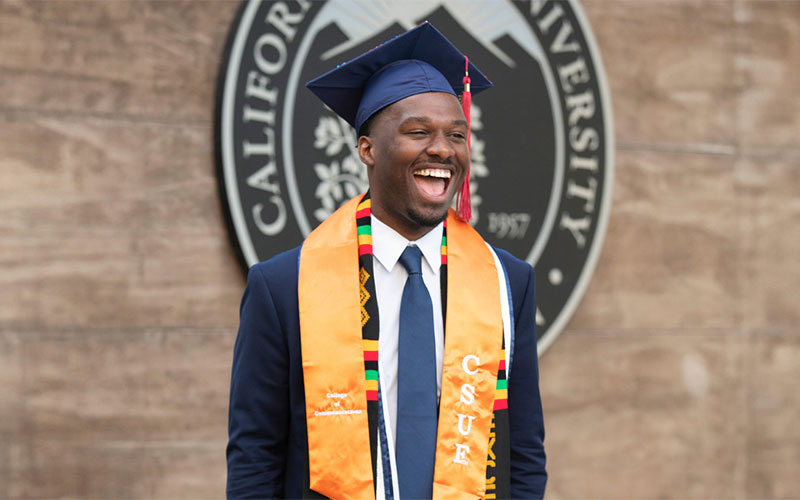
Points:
[[417, 61]]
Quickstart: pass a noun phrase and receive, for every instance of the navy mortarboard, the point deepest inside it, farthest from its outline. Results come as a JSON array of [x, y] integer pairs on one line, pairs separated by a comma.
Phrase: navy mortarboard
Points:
[[417, 61]]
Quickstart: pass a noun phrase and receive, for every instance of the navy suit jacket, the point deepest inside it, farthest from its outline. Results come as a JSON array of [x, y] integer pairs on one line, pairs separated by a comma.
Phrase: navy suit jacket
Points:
[[267, 448]]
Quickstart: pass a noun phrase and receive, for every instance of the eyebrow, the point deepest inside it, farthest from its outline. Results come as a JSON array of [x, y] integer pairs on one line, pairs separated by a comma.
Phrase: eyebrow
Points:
[[425, 119]]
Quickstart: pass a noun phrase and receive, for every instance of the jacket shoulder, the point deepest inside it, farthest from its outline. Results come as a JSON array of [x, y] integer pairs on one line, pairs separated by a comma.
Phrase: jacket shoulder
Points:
[[512, 264], [519, 272], [280, 269], [278, 275]]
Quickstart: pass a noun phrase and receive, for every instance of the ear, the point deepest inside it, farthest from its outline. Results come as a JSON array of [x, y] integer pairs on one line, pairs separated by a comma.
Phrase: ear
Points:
[[366, 150]]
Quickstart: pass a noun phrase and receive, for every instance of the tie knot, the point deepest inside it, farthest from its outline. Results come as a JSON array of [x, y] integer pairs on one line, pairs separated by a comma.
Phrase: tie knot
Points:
[[411, 259]]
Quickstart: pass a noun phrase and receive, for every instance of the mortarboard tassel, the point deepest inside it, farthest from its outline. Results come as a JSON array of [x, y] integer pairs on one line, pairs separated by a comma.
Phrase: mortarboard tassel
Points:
[[464, 205]]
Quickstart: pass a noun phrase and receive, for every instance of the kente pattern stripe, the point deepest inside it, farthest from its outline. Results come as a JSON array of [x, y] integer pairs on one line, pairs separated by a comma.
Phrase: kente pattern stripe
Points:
[[501, 391], [365, 296], [364, 231], [369, 325]]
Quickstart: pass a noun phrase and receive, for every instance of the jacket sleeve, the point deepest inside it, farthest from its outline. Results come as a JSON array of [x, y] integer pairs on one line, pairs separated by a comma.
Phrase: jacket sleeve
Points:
[[258, 415], [528, 475]]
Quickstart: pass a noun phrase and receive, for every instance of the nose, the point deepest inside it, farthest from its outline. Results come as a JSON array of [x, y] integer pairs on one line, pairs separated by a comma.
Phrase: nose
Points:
[[439, 146]]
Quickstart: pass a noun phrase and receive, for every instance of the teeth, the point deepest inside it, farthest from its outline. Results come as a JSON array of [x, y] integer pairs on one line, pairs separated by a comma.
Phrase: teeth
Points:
[[434, 172]]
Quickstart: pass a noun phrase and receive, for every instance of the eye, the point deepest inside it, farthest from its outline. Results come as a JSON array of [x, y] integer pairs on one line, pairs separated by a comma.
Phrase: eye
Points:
[[417, 133]]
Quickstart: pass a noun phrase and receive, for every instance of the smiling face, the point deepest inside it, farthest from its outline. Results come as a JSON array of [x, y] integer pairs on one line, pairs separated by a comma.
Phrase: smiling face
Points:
[[416, 156]]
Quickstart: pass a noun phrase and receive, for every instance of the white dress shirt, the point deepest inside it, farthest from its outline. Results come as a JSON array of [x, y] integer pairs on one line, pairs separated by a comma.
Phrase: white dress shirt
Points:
[[390, 278]]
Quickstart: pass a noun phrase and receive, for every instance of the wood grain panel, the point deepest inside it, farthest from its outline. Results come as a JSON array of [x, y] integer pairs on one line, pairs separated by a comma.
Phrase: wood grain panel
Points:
[[773, 369], [134, 59], [770, 192], [670, 69], [123, 413], [133, 469], [11, 409], [670, 256], [769, 67], [112, 223], [632, 416]]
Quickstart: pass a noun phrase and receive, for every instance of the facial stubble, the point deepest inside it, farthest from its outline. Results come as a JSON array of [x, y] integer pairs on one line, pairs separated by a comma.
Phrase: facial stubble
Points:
[[423, 221]]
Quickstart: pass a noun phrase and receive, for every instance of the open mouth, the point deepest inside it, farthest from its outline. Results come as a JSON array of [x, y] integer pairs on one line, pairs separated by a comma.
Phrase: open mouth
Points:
[[433, 181]]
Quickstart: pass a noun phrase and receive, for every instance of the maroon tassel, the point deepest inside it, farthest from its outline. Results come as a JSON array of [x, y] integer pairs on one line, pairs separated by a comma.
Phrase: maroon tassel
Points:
[[463, 204]]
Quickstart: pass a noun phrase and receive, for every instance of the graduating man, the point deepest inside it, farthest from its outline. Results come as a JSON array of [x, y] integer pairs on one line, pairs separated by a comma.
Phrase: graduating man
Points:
[[392, 355]]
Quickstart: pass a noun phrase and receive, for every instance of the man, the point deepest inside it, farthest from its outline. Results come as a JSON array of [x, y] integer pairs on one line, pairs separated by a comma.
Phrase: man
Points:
[[393, 355]]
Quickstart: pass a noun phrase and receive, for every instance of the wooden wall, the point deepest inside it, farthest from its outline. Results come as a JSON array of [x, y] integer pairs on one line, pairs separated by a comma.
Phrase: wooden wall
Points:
[[119, 290]]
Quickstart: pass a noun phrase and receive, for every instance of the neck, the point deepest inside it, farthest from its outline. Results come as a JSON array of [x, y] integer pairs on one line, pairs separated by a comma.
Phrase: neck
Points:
[[406, 228]]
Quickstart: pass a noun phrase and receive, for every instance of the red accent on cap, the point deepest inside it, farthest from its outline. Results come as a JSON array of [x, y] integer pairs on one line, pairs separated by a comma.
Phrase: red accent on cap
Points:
[[463, 204]]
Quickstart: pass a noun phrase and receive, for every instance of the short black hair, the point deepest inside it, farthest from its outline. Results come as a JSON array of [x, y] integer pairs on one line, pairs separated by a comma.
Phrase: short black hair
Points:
[[366, 127]]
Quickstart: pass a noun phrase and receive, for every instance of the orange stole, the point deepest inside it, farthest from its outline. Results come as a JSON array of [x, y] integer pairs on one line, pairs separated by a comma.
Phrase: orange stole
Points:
[[474, 328], [333, 361]]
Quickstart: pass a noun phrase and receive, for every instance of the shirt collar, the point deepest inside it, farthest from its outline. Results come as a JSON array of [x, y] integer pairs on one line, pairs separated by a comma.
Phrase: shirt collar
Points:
[[388, 245]]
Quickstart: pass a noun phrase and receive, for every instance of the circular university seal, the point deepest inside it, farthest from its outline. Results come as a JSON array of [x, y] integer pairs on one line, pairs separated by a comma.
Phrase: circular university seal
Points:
[[542, 139]]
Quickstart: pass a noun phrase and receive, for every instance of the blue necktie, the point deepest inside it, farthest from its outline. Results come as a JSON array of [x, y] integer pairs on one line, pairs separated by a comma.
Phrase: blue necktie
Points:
[[416, 384]]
